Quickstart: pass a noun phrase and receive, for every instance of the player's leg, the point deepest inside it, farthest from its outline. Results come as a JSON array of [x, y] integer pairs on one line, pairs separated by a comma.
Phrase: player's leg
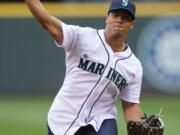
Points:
[[49, 131], [86, 130], [108, 127]]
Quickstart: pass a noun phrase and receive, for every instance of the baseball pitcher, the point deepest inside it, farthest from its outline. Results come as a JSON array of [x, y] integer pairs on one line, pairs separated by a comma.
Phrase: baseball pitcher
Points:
[[100, 68]]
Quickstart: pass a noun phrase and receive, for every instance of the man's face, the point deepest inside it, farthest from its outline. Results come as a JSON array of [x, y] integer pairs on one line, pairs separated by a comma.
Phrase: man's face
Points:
[[118, 23]]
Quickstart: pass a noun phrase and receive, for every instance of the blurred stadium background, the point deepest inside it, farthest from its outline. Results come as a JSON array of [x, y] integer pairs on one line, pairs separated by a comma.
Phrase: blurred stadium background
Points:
[[32, 67]]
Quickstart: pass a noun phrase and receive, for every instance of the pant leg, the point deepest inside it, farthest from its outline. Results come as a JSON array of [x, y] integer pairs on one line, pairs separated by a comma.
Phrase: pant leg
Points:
[[108, 127], [49, 131], [86, 130]]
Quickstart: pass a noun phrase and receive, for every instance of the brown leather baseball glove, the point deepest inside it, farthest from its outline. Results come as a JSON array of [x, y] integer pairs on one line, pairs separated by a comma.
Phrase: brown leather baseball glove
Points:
[[152, 125]]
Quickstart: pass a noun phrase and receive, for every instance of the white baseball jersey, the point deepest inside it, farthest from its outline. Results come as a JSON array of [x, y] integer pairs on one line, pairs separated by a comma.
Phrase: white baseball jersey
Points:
[[95, 77]]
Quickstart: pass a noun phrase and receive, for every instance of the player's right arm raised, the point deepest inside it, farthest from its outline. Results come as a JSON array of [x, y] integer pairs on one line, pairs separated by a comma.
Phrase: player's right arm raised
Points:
[[50, 23]]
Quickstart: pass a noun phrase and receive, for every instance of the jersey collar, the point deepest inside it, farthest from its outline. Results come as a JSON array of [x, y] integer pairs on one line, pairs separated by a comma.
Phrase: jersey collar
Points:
[[122, 54]]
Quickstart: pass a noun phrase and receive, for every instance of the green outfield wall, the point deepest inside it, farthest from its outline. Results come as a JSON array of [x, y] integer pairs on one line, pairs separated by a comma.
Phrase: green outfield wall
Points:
[[30, 62]]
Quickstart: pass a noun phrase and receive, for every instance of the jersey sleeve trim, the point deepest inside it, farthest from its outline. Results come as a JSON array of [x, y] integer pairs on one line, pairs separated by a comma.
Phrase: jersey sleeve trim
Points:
[[63, 27]]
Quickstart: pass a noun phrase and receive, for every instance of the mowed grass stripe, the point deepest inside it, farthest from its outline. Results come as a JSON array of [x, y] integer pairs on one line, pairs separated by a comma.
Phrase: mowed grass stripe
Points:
[[28, 115]]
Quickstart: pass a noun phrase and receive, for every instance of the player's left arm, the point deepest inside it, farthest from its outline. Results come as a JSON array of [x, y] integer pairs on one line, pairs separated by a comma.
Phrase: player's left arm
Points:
[[132, 111], [137, 124]]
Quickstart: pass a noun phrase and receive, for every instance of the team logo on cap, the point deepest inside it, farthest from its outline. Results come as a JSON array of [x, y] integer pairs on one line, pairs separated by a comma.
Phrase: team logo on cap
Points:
[[125, 3]]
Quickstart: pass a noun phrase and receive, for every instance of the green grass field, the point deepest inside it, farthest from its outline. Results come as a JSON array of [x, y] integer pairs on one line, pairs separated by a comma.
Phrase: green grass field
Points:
[[27, 115]]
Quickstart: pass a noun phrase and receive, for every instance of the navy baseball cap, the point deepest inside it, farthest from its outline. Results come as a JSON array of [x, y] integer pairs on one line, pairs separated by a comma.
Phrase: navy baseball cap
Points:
[[125, 5]]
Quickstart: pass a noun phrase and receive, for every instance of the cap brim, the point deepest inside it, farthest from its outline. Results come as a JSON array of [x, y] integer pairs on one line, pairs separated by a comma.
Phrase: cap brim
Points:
[[122, 9]]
